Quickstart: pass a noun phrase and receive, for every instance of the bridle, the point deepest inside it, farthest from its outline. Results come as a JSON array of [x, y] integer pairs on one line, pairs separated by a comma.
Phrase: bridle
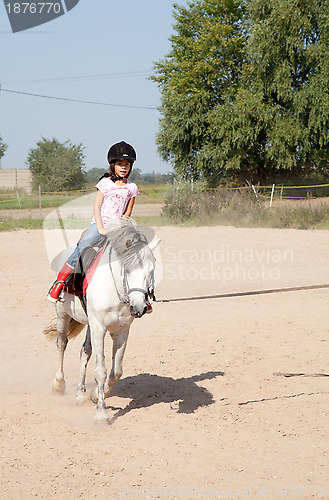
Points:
[[124, 298]]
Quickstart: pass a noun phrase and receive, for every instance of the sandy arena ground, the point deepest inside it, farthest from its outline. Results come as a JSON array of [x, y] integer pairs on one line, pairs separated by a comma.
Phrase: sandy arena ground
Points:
[[198, 412]]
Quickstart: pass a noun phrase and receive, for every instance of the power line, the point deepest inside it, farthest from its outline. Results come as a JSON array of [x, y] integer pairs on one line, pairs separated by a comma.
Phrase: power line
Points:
[[77, 100], [100, 76]]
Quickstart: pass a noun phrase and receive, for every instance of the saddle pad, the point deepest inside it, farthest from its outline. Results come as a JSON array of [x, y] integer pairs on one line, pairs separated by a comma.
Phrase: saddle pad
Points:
[[92, 269]]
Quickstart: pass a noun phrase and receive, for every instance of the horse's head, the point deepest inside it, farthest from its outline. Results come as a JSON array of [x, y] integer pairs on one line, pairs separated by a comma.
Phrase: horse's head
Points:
[[140, 275], [138, 264]]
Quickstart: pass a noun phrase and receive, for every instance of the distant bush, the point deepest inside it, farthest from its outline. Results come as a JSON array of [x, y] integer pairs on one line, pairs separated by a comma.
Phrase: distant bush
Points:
[[92, 176]]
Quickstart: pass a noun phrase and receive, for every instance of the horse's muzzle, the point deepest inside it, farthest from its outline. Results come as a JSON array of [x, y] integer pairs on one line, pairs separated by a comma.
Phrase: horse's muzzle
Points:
[[136, 312]]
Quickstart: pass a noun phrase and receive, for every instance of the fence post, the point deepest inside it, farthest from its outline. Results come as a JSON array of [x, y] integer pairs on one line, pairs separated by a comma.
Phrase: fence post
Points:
[[173, 191], [272, 195], [254, 190], [40, 201], [281, 192], [14, 178], [19, 201]]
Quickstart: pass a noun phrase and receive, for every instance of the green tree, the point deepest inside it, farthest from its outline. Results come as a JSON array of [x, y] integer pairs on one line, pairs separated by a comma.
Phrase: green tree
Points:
[[202, 67], [245, 89], [3, 147], [277, 123], [57, 166]]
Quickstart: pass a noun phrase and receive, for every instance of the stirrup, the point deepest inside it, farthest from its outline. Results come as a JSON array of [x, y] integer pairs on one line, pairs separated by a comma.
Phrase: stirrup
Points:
[[61, 297]]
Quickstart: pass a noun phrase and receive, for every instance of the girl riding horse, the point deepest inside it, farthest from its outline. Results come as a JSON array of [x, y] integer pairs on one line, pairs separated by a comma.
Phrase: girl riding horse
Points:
[[115, 197]]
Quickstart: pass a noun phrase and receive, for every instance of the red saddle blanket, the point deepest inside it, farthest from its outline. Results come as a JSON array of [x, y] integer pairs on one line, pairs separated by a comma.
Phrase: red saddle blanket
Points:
[[92, 269]]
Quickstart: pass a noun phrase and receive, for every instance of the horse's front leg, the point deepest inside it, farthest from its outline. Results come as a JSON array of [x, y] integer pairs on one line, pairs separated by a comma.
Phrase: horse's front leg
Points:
[[63, 321], [85, 355], [118, 351], [97, 341]]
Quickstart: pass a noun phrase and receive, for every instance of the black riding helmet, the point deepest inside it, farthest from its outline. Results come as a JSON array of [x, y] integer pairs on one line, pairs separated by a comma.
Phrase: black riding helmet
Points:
[[121, 151]]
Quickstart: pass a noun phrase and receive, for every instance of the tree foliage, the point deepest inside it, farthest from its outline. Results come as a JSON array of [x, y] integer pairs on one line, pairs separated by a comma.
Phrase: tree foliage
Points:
[[203, 65], [56, 166], [3, 147], [252, 101]]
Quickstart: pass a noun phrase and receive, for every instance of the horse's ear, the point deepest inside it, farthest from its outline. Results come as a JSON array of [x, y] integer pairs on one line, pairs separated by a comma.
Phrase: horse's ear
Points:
[[137, 238], [154, 244], [128, 244]]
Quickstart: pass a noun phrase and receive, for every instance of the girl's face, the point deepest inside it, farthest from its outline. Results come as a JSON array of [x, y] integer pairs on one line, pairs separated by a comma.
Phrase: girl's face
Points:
[[121, 168]]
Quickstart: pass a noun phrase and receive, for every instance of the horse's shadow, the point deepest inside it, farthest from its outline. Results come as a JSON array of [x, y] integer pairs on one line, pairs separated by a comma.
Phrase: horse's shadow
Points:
[[146, 390]]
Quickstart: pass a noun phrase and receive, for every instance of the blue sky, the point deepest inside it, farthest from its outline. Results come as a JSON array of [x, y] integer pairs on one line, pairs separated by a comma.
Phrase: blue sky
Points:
[[65, 58]]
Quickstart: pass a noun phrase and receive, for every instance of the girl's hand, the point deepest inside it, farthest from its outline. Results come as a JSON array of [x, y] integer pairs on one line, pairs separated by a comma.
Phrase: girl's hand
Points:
[[103, 230], [129, 208]]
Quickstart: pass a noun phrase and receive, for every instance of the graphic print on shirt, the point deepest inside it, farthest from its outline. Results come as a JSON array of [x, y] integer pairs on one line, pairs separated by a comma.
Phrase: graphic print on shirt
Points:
[[117, 202]]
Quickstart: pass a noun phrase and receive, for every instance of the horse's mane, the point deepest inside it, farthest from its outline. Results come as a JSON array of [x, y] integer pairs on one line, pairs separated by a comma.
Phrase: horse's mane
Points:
[[130, 245]]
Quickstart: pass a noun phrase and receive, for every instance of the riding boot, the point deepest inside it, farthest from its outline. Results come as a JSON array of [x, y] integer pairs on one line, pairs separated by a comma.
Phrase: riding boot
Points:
[[149, 308], [55, 290]]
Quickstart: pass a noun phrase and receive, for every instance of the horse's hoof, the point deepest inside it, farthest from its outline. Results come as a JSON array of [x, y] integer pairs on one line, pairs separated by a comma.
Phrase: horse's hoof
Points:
[[101, 418], [80, 398], [58, 386]]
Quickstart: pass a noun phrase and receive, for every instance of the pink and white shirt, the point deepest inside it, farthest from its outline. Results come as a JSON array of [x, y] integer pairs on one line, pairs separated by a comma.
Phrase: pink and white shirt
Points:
[[115, 199]]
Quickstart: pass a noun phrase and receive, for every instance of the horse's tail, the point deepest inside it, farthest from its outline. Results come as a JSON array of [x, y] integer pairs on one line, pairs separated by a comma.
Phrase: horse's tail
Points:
[[74, 329], [51, 330]]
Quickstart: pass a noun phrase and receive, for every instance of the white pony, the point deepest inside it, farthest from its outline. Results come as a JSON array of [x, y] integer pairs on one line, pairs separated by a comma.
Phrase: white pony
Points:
[[123, 280]]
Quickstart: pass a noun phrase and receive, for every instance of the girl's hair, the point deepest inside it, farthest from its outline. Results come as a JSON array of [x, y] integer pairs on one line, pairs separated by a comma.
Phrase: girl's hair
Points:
[[112, 175]]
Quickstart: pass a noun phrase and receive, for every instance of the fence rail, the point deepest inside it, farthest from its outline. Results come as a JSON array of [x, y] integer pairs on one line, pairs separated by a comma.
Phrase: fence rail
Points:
[[15, 199], [268, 192], [283, 192]]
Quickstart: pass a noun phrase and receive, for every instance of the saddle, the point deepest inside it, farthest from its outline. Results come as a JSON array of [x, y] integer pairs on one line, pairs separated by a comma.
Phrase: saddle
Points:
[[85, 268]]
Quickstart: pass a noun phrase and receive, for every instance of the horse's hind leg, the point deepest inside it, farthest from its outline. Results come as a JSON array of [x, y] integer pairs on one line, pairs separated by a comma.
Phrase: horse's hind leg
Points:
[[85, 354], [63, 321]]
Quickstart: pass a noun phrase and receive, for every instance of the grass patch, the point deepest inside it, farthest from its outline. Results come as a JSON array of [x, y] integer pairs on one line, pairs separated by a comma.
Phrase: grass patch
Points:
[[13, 225], [9, 199], [240, 208], [303, 215], [153, 193]]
